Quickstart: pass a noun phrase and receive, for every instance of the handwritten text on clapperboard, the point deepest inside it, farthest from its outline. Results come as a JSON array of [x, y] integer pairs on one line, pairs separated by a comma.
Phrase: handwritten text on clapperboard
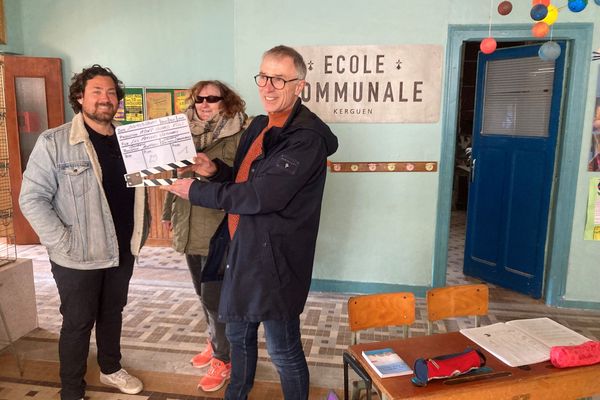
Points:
[[155, 142]]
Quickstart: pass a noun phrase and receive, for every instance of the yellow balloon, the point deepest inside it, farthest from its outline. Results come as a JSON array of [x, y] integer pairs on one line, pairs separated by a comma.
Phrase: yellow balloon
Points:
[[552, 15]]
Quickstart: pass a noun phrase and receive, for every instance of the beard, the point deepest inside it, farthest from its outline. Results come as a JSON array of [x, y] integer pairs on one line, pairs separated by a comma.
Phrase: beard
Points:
[[104, 116]]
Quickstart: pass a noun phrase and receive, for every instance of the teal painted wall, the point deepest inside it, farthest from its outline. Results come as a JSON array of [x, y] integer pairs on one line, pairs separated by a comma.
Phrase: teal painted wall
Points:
[[151, 43], [584, 266], [380, 228], [12, 27], [377, 229]]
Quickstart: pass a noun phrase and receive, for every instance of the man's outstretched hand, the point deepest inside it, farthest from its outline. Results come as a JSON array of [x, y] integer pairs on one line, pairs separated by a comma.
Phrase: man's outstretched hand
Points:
[[181, 187], [202, 166]]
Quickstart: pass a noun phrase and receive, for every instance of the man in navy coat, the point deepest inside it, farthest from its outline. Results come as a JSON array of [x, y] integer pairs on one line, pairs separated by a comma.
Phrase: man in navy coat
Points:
[[273, 198]]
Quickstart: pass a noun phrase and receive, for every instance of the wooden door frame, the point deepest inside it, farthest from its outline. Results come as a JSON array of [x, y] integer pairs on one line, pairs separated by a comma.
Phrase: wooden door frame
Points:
[[579, 37]]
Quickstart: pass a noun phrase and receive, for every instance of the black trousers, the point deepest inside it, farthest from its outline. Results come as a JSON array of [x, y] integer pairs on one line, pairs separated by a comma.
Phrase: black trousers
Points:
[[89, 297], [210, 293]]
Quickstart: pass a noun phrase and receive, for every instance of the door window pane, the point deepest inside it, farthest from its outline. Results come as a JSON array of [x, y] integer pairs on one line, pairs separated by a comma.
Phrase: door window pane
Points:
[[32, 113], [517, 97]]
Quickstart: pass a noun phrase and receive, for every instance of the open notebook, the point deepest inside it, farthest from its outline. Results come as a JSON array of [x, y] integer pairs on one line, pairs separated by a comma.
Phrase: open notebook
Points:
[[523, 341]]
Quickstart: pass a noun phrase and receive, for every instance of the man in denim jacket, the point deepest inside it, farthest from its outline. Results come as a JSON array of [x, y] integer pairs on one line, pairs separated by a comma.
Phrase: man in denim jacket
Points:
[[75, 198]]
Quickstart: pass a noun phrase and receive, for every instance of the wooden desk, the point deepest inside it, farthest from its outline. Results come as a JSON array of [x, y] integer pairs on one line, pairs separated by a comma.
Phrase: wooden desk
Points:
[[538, 381]]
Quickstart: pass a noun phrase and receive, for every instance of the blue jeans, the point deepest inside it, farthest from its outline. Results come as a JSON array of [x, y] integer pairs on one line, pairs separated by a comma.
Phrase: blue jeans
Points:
[[284, 347]]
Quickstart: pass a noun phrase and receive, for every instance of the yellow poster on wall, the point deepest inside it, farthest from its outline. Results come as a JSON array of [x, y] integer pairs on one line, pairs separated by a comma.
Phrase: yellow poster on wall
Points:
[[181, 100], [133, 104], [592, 223]]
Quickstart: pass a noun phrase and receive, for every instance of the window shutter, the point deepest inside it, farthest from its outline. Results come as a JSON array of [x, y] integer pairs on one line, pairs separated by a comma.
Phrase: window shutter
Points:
[[517, 97]]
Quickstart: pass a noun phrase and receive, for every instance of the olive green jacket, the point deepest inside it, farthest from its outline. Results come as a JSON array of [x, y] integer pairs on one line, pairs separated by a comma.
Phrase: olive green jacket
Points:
[[193, 226]]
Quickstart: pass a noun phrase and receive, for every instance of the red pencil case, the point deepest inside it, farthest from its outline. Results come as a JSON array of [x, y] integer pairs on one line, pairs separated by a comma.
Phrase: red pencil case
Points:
[[446, 366], [587, 353]]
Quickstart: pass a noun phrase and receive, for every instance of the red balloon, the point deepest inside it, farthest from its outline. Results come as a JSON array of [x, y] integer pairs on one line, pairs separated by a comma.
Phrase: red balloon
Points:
[[504, 8], [488, 45], [544, 2], [540, 29]]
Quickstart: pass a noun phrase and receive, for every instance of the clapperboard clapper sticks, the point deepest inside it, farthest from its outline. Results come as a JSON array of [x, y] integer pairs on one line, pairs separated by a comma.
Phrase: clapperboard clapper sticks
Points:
[[154, 146]]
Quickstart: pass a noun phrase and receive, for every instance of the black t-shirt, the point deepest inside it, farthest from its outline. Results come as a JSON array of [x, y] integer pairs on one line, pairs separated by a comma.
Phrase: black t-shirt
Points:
[[120, 197]]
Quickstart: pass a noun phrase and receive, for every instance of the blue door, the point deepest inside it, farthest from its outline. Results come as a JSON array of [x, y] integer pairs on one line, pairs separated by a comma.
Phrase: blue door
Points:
[[515, 128]]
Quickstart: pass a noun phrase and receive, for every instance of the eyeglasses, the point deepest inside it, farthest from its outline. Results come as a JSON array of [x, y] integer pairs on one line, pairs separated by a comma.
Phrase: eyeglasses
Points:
[[278, 83], [209, 99]]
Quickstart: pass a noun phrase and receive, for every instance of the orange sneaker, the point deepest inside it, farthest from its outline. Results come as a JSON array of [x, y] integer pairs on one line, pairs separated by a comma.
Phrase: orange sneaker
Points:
[[218, 373], [202, 360]]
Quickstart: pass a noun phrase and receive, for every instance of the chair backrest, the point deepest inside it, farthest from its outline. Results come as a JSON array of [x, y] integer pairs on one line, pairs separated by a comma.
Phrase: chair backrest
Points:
[[380, 310], [457, 301]]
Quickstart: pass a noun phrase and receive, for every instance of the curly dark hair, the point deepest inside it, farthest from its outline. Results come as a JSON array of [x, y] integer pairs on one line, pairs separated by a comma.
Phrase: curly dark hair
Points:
[[79, 81], [232, 102]]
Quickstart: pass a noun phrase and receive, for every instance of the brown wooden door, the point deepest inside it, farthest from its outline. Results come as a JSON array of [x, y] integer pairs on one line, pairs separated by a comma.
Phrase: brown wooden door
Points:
[[158, 236], [34, 102]]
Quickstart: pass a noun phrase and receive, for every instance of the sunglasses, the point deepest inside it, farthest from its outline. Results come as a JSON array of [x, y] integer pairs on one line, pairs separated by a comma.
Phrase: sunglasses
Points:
[[209, 99]]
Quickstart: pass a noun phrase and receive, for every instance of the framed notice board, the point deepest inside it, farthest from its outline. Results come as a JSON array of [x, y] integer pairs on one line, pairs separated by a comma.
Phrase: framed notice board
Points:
[[140, 104]]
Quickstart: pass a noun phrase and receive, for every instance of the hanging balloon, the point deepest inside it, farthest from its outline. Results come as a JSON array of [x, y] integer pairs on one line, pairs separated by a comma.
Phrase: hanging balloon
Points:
[[540, 29], [577, 5], [552, 15], [549, 51], [504, 8], [538, 12], [488, 45], [544, 2], [597, 2]]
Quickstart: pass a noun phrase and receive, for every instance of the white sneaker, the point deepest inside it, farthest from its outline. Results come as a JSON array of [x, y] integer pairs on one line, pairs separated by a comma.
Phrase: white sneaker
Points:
[[126, 383]]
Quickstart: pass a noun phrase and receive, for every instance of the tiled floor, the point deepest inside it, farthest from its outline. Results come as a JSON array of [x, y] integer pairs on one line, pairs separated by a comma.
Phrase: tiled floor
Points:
[[164, 327]]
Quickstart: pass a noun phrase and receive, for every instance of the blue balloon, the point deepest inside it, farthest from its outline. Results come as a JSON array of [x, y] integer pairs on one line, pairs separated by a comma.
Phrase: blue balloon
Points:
[[577, 5], [549, 51], [538, 12], [597, 2]]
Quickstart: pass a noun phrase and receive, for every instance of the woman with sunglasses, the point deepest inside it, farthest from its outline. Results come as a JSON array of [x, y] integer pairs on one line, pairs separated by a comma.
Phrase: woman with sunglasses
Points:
[[217, 118]]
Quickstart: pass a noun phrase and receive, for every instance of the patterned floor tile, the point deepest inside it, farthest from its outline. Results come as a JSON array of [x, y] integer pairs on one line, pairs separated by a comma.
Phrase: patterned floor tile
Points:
[[164, 325]]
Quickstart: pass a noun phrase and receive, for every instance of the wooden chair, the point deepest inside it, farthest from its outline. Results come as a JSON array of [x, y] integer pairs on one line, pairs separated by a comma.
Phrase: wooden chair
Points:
[[378, 311], [456, 301]]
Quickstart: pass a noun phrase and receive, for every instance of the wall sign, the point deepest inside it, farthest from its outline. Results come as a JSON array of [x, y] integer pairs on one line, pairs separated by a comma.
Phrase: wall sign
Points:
[[374, 83]]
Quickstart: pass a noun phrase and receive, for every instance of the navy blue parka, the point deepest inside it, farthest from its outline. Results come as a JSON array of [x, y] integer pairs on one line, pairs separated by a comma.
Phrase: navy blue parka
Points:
[[269, 261]]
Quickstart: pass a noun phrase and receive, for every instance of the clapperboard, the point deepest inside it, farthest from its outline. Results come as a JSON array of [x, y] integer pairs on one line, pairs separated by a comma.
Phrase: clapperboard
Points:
[[154, 146]]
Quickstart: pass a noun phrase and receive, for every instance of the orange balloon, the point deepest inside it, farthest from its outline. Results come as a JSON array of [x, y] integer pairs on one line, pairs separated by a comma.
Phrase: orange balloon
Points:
[[540, 29], [488, 45], [544, 2]]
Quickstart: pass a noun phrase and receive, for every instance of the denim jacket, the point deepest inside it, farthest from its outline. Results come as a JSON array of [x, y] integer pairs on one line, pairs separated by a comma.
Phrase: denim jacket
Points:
[[63, 199]]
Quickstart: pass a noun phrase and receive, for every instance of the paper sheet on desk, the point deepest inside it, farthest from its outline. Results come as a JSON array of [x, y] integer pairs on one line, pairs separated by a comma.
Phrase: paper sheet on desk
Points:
[[509, 344], [522, 342], [548, 331]]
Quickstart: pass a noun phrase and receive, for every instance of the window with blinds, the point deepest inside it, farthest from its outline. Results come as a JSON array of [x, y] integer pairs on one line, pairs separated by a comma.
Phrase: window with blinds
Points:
[[517, 97]]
